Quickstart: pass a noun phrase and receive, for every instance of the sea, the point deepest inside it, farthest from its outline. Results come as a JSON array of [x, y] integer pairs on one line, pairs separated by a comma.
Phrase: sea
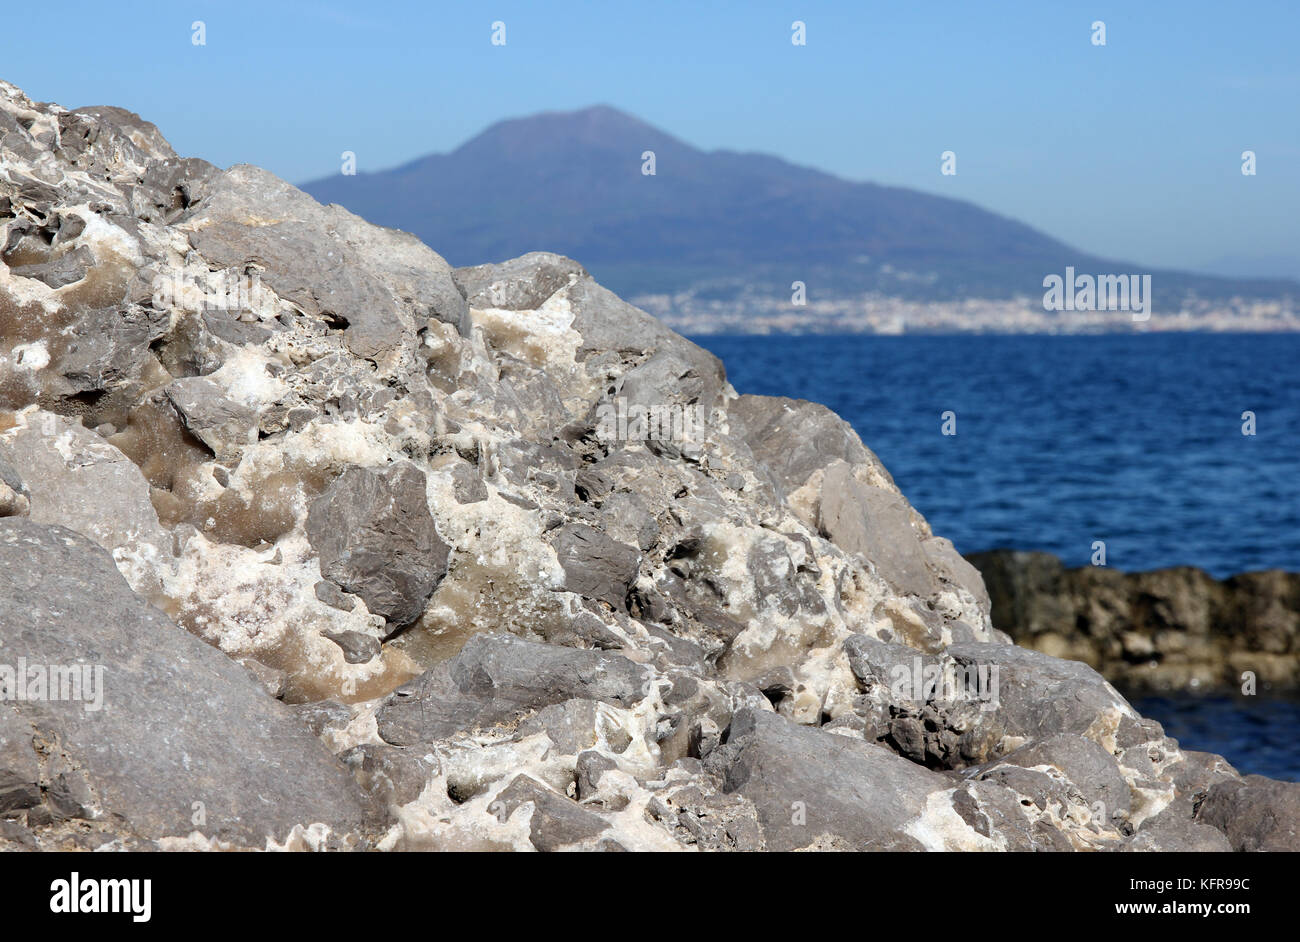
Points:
[[1168, 448]]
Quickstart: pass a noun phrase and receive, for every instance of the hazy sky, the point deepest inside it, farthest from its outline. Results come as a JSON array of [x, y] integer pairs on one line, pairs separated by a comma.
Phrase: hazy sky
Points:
[[1131, 150]]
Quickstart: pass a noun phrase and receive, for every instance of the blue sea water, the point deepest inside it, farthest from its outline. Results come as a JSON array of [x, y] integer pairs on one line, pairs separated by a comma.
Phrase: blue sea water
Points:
[[1133, 440], [1256, 734]]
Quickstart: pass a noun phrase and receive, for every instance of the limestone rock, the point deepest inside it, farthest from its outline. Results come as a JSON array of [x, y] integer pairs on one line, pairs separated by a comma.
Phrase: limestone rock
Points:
[[875, 522], [169, 735], [556, 823], [377, 539], [1256, 813], [15, 499], [520, 284], [494, 678], [226, 426], [795, 438], [595, 565], [80, 481], [1084, 764], [808, 786]]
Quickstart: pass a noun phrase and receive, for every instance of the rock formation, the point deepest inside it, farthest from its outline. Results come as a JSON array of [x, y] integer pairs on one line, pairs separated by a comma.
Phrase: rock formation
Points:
[[309, 541], [1165, 630]]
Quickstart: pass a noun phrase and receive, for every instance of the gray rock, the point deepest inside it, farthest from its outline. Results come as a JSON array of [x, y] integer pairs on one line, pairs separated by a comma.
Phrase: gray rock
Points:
[[496, 677], [795, 438], [14, 496], [1256, 813], [1089, 767], [556, 822], [626, 518], [676, 651], [1038, 696], [595, 565], [593, 485], [876, 524], [781, 584], [109, 351], [76, 479], [1037, 787], [59, 272], [325, 260], [13, 836], [224, 425], [274, 682], [389, 777], [19, 789], [529, 397], [110, 141], [666, 378], [520, 284], [996, 812], [323, 716], [1176, 830], [808, 784], [180, 724], [570, 725], [67, 791], [952, 567], [701, 817], [608, 324], [1007, 697], [376, 539], [593, 627], [1198, 772], [877, 663], [334, 597], [357, 648], [467, 483], [589, 767]]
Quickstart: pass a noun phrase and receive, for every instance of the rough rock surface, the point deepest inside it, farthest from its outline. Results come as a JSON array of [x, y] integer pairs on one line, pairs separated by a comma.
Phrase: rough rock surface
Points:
[[168, 735], [1168, 629], [1255, 813], [332, 471], [376, 539]]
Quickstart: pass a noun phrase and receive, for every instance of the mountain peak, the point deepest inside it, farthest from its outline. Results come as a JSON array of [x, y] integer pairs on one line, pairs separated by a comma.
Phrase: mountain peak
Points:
[[607, 115], [598, 126]]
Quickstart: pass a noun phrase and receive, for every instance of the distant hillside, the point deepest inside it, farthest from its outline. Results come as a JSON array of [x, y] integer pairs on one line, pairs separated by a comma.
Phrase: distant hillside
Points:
[[571, 182]]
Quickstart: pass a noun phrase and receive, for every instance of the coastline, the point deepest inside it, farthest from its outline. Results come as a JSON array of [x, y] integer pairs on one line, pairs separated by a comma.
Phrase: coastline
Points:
[[767, 313]]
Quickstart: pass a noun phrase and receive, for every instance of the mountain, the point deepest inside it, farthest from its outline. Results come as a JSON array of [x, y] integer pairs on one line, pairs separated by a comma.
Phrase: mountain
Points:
[[718, 222]]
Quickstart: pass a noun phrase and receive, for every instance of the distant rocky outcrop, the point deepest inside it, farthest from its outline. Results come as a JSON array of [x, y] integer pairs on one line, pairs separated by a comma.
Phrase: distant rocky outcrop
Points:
[[311, 541], [1166, 630]]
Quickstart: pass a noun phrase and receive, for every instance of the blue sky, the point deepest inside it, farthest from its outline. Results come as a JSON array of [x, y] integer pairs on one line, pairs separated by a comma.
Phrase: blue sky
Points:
[[1131, 150]]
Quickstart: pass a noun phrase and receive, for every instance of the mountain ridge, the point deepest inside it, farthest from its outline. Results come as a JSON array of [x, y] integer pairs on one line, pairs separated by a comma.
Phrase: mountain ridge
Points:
[[722, 220]]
